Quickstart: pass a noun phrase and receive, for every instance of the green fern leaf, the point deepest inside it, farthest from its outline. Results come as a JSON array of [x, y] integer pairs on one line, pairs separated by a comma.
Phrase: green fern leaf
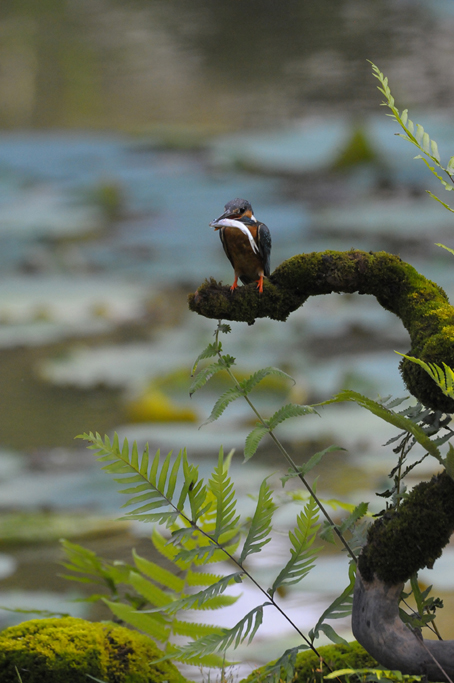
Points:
[[153, 624], [290, 410], [449, 461], [443, 246], [207, 373], [283, 669], [388, 416], [221, 486], [359, 512], [253, 439], [206, 555], [204, 597], [193, 630], [340, 607], [245, 628], [218, 602], [302, 470], [260, 529], [248, 384], [157, 573], [170, 552], [210, 351], [201, 578], [152, 594], [302, 551], [211, 661], [83, 561], [444, 378], [439, 200], [419, 135], [221, 404]]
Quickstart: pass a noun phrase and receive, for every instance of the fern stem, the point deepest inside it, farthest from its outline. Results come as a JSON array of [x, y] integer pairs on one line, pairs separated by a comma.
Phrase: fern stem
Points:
[[257, 585], [290, 460]]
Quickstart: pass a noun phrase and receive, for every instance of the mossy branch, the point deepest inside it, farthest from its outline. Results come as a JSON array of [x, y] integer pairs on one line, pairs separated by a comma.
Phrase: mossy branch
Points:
[[421, 304]]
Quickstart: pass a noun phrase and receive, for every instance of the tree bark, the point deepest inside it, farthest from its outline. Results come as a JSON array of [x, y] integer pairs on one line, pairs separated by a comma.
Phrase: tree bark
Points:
[[377, 626]]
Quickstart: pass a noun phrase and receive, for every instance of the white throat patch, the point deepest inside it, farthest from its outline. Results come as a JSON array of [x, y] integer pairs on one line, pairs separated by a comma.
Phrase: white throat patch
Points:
[[231, 223]]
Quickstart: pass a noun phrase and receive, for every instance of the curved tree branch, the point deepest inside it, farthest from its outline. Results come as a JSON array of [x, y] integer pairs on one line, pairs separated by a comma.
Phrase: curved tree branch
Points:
[[398, 545], [421, 304], [377, 626]]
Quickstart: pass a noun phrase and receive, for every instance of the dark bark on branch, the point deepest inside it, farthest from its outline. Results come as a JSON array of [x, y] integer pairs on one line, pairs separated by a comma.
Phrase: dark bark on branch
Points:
[[377, 626], [399, 544], [421, 304]]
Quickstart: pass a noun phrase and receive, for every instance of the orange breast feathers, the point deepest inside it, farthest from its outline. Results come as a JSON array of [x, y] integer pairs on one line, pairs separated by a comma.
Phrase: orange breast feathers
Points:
[[247, 264]]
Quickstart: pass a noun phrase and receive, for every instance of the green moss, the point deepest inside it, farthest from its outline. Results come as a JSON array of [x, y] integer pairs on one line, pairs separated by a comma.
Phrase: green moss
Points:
[[309, 669], [413, 536], [421, 304], [66, 650]]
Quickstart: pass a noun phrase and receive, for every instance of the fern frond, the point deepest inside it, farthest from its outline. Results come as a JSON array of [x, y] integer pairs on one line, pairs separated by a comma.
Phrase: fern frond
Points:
[[198, 600], [221, 404], [211, 661], [206, 554], [196, 491], [218, 602], [420, 138], [167, 550], [134, 469], [221, 486], [340, 607], [283, 669], [233, 637], [95, 570], [248, 384], [148, 590], [390, 416], [449, 461], [302, 553], [207, 373], [444, 378], [253, 439], [437, 244], [201, 578], [302, 470], [210, 351], [356, 514], [260, 529], [155, 625], [192, 629], [290, 410]]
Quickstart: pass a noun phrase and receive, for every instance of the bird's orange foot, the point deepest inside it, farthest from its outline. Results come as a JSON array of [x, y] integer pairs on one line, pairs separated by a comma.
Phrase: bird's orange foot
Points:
[[235, 285], [260, 284]]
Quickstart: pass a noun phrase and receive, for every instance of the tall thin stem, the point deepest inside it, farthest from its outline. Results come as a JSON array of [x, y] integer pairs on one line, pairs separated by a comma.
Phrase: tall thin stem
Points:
[[289, 459]]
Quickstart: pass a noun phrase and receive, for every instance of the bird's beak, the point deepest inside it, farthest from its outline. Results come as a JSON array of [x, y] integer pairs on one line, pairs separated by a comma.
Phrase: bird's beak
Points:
[[226, 214]]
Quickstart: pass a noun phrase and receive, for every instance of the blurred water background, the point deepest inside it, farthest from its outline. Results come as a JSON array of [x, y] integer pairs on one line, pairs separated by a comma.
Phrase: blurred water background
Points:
[[125, 128]]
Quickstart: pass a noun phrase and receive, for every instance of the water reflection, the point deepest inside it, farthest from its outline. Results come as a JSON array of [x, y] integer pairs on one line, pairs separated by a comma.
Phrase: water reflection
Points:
[[123, 65]]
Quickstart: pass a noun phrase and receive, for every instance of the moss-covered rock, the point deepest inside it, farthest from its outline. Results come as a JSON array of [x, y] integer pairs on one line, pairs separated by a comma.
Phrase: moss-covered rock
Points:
[[66, 650], [413, 536], [421, 304], [310, 669]]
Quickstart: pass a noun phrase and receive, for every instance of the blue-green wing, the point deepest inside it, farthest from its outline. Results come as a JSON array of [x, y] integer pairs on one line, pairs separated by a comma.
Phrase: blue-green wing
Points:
[[264, 245]]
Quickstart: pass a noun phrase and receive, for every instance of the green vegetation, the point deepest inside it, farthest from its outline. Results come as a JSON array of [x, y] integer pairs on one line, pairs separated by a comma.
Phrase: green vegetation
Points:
[[70, 650], [312, 669]]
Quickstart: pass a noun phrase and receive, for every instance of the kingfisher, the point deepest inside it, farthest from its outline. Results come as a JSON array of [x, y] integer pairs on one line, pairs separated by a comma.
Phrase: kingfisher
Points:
[[246, 242]]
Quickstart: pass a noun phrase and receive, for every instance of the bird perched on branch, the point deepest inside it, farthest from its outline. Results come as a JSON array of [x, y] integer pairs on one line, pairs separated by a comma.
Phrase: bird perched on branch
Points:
[[246, 242]]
